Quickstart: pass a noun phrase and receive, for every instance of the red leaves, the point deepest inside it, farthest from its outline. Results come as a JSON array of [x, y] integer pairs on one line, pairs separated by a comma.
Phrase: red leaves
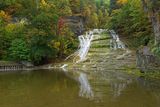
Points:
[[60, 24]]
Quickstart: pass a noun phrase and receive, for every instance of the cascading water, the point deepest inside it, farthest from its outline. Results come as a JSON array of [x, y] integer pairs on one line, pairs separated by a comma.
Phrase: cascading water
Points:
[[84, 46], [85, 42], [115, 42]]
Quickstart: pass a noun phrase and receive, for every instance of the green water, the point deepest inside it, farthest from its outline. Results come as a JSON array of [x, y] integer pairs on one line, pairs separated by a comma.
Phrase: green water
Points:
[[77, 89]]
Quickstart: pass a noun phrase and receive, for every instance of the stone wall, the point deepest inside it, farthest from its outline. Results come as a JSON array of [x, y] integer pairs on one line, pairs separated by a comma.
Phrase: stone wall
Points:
[[76, 23], [13, 66], [147, 61]]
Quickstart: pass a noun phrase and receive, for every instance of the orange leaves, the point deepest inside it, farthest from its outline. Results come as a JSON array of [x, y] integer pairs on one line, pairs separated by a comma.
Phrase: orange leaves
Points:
[[122, 1], [5, 16]]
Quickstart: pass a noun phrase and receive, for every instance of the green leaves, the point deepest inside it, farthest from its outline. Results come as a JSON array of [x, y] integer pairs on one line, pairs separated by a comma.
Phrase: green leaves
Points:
[[41, 49], [19, 50], [131, 21], [39, 39]]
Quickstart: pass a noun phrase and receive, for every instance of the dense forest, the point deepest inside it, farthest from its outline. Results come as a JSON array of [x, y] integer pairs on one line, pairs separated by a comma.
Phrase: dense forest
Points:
[[35, 30]]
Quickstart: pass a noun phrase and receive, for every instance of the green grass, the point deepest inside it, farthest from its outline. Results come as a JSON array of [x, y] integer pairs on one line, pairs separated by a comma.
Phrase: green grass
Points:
[[148, 74]]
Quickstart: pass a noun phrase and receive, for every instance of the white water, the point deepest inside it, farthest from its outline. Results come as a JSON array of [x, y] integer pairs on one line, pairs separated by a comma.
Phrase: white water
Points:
[[63, 67], [84, 44], [115, 42]]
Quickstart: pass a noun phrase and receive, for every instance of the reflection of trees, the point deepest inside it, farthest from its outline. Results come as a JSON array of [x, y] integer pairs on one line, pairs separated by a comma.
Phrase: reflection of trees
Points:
[[109, 84]]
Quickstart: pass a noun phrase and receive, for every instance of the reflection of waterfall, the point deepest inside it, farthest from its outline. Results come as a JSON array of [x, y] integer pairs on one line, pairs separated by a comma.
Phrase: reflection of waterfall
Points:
[[118, 87], [110, 82], [85, 89], [115, 42]]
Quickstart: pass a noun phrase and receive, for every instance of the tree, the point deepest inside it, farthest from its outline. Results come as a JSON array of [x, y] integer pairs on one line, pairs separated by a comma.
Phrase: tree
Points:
[[19, 50], [113, 6], [131, 21], [153, 10], [41, 49]]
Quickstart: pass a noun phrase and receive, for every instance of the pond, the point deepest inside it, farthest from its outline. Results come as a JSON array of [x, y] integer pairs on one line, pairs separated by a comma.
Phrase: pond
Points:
[[55, 88]]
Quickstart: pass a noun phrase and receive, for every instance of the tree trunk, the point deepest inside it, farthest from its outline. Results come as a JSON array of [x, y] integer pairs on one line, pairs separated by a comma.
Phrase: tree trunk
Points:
[[153, 15]]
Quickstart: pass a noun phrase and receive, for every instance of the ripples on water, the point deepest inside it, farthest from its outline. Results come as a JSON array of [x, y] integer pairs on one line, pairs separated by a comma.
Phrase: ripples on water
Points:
[[77, 89]]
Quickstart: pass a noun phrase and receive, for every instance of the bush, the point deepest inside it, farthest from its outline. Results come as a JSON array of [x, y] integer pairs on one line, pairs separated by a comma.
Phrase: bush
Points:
[[19, 50], [41, 49]]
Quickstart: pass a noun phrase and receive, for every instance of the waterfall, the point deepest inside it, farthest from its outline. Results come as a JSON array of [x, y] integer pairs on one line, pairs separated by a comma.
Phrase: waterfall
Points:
[[85, 42], [84, 45], [115, 42]]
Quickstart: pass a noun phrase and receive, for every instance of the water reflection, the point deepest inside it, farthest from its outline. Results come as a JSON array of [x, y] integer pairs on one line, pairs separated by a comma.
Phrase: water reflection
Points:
[[85, 88], [118, 87], [95, 88], [151, 86], [70, 88]]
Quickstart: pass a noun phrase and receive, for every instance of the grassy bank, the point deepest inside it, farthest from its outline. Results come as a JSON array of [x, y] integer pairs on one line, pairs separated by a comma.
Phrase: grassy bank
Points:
[[153, 74]]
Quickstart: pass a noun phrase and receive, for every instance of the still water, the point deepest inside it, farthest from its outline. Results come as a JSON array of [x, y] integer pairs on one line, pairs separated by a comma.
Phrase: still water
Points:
[[47, 88]]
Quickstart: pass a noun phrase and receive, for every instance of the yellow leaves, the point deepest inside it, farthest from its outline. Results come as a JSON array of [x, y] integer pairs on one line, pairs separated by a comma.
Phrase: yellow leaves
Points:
[[56, 44], [116, 11], [10, 27], [66, 11], [15, 26], [2, 13], [86, 12], [43, 2], [5, 16], [45, 5], [122, 1]]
